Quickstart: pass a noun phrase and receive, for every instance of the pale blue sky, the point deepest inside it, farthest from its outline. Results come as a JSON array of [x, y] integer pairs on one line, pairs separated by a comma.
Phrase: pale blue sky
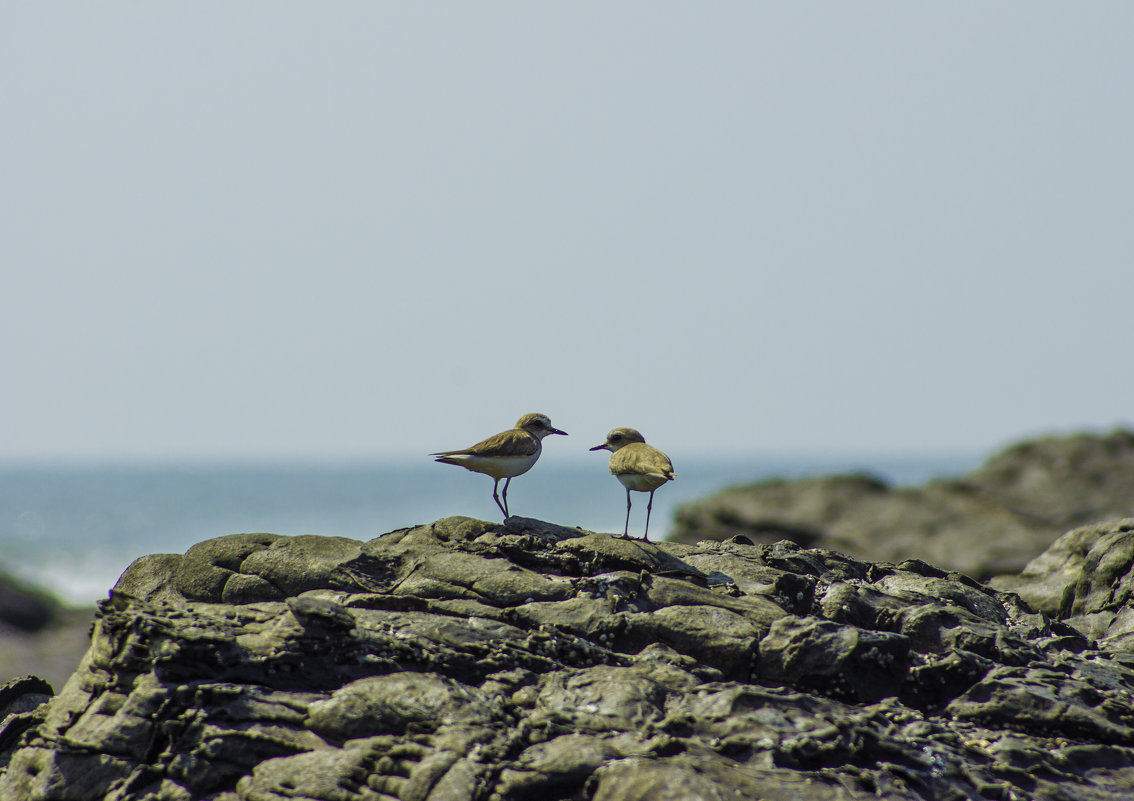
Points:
[[365, 229]]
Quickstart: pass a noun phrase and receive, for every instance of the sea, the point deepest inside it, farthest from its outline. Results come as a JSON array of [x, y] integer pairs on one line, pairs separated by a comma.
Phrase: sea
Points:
[[72, 529]]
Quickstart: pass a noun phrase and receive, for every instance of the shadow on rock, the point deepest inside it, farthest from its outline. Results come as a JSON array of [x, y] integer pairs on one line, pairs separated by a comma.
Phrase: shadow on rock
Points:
[[472, 660]]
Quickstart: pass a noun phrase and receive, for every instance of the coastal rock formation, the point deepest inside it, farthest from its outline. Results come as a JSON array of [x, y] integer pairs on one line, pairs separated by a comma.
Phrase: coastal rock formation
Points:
[[24, 608], [989, 522], [39, 634], [473, 660], [1087, 579]]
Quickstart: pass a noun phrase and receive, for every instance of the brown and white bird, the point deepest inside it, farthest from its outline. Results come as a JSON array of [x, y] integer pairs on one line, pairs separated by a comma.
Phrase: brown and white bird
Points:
[[505, 455], [638, 466]]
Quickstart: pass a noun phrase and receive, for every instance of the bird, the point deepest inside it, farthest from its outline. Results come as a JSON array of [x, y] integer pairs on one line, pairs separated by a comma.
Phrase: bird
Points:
[[638, 466], [505, 455]]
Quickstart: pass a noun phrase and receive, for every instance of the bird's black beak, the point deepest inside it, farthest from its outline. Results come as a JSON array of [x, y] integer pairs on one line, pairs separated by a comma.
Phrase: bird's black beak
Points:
[[598, 447], [557, 431]]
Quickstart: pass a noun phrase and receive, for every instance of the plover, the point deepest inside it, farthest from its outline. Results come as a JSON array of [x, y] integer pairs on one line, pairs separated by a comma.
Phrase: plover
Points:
[[638, 466], [506, 455]]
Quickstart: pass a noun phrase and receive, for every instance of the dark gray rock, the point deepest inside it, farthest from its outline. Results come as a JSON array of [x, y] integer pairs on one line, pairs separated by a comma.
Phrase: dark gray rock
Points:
[[472, 660], [38, 634], [989, 522], [19, 701], [24, 607]]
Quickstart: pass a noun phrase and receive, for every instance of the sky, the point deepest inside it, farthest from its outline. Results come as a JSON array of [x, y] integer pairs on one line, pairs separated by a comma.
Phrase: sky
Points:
[[367, 230]]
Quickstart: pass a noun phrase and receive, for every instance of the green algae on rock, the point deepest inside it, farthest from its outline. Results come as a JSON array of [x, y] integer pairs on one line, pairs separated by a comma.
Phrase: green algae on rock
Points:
[[472, 660]]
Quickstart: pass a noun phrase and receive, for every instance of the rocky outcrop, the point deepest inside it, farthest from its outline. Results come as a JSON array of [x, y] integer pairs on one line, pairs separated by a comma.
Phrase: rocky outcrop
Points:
[[1063, 481], [1086, 578], [471, 660], [989, 522]]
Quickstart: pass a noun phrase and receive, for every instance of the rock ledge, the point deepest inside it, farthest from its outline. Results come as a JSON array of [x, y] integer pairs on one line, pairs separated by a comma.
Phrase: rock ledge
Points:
[[471, 660]]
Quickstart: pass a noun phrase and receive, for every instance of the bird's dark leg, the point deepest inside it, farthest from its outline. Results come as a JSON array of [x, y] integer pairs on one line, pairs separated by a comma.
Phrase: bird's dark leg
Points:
[[496, 497], [626, 528], [507, 481], [649, 506]]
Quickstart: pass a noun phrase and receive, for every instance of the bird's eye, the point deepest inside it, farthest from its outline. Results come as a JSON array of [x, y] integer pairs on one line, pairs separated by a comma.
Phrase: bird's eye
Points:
[[616, 437]]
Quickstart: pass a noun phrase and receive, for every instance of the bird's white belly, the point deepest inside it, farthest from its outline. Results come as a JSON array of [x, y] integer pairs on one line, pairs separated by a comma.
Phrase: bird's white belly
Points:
[[498, 466], [641, 482]]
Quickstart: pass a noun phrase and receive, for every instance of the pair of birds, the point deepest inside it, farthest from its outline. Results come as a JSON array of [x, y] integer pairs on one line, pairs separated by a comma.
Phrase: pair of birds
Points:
[[511, 453]]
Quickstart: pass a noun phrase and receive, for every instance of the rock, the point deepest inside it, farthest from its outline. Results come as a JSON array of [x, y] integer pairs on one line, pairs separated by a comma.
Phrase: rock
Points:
[[1064, 481], [989, 522], [472, 660], [25, 608], [38, 634], [19, 701], [1086, 579], [52, 652]]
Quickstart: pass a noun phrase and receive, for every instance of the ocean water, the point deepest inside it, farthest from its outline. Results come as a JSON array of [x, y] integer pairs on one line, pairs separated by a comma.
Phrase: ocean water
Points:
[[74, 529]]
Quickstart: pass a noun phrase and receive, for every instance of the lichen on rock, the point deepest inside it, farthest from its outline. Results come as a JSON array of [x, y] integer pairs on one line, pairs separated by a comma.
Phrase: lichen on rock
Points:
[[471, 660]]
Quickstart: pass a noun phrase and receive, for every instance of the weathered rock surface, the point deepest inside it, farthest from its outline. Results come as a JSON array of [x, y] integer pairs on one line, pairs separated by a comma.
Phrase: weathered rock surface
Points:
[[989, 522], [471, 660], [1087, 579]]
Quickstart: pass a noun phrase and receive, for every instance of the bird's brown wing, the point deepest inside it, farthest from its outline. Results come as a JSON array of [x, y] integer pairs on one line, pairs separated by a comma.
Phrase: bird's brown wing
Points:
[[638, 457], [513, 442]]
